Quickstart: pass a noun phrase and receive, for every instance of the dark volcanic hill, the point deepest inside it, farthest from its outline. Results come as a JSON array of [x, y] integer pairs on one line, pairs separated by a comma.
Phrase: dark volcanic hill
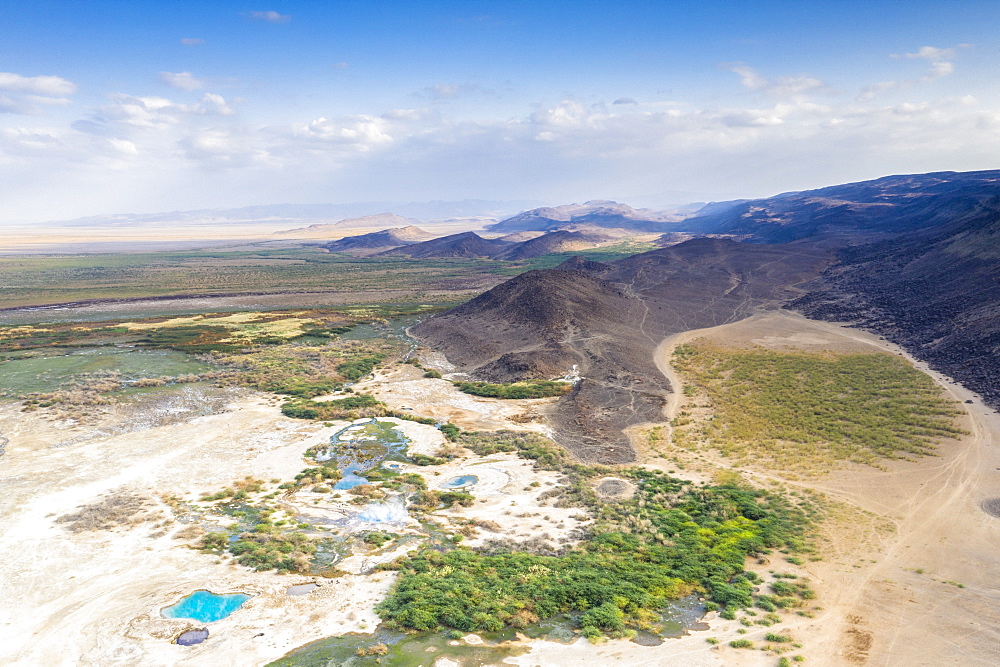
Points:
[[376, 241], [605, 320], [915, 258], [606, 214], [466, 244], [868, 210], [552, 242], [936, 293]]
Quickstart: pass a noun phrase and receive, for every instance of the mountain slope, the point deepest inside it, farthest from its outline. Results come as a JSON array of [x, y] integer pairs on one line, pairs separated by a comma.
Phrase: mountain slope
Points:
[[465, 244], [936, 293], [379, 241], [606, 320], [552, 242], [598, 213], [867, 210]]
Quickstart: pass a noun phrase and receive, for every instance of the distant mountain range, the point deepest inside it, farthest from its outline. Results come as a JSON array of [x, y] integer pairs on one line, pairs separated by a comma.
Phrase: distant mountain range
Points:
[[409, 241], [313, 213], [598, 213], [869, 209], [380, 241], [915, 258]]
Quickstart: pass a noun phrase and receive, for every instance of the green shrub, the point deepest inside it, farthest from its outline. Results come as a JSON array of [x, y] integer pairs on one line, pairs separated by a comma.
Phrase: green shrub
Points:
[[515, 390], [357, 368]]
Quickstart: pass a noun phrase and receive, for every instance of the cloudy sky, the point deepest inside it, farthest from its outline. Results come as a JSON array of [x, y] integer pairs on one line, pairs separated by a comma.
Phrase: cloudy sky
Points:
[[110, 106]]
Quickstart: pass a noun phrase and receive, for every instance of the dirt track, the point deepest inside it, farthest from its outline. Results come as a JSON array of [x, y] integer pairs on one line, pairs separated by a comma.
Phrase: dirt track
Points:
[[889, 583]]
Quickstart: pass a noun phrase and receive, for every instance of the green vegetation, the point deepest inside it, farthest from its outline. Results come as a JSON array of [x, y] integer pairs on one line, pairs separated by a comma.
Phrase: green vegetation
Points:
[[288, 552], [357, 368], [303, 370], [35, 279], [799, 411], [377, 538], [525, 389], [608, 253], [672, 538], [42, 279], [353, 407]]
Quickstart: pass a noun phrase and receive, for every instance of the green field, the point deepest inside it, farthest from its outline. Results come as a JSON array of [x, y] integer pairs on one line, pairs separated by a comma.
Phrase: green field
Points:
[[801, 411], [27, 280]]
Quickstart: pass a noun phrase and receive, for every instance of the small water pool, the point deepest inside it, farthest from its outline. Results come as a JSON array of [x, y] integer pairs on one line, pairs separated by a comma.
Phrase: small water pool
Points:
[[361, 447], [192, 637], [205, 606], [301, 589], [460, 482], [349, 481]]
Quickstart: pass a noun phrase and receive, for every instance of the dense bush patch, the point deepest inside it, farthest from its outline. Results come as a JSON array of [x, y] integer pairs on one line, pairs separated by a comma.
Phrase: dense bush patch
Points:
[[526, 389], [672, 538]]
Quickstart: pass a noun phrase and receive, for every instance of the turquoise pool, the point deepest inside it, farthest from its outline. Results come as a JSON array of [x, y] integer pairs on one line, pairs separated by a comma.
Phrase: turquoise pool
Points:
[[205, 606], [460, 482]]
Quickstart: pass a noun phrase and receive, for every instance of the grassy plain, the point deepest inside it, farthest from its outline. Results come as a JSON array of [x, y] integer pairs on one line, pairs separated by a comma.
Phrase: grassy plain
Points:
[[899, 536], [296, 353], [802, 411], [31, 280]]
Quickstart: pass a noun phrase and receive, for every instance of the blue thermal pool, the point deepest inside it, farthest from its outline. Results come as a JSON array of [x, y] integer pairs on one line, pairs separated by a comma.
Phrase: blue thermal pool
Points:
[[192, 637], [460, 482], [205, 606]]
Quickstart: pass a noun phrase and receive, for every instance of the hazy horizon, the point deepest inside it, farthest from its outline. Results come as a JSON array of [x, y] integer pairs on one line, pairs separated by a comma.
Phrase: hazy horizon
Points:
[[111, 109]]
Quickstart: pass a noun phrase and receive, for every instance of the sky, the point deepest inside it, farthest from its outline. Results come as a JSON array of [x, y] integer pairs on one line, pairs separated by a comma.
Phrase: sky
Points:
[[115, 106]]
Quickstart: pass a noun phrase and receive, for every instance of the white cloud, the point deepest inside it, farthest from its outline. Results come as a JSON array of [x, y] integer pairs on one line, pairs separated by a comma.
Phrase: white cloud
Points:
[[212, 103], [269, 16], [18, 106], [939, 69], [786, 86], [126, 114], [192, 41], [940, 60], [352, 134], [931, 53], [940, 66], [876, 89], [50, 86], [625, 100], [182, 80], [22, 94], [786, 137], [447, 91], [340, 65]]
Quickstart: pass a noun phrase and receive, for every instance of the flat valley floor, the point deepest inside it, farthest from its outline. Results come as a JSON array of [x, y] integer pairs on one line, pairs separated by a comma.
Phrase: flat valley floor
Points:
[[908, 576]]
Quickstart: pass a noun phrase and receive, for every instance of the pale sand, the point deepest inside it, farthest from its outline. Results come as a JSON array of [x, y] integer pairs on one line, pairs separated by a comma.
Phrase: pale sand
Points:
[[94, 598], [403, 387], [914, 515]]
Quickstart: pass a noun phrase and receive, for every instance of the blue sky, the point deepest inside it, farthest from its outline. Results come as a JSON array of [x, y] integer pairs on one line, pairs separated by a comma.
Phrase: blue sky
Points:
[[147, 106]]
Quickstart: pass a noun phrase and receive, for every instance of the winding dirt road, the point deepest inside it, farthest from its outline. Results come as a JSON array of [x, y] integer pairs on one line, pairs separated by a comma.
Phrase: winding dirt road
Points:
[[911, 578]]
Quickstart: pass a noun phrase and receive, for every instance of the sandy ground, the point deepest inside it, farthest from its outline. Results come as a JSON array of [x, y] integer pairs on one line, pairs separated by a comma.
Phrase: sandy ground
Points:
[[902, 539], [93, 598], [176, 236], [404, 387]]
